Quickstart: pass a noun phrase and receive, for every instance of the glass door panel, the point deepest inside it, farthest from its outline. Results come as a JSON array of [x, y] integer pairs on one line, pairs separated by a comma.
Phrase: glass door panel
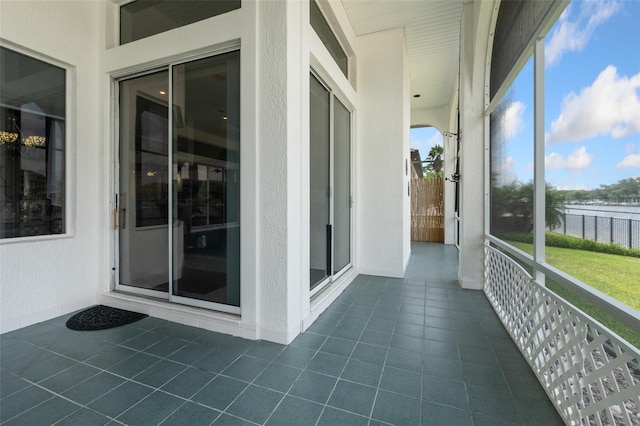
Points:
[[206, 180], [342, 186], [320, 228], [143, 179]]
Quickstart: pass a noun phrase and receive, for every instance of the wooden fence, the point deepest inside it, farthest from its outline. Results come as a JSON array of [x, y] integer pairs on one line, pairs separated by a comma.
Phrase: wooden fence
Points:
[[427, 210]]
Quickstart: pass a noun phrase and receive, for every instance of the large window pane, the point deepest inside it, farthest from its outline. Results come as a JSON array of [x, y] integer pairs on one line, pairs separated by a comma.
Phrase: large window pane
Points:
[[592, 150], [144, 18], [206, 187], [512, 160], [32, 146]]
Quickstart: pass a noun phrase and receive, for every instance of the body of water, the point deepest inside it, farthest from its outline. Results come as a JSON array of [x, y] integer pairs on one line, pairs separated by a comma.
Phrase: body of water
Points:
[[618, 212]]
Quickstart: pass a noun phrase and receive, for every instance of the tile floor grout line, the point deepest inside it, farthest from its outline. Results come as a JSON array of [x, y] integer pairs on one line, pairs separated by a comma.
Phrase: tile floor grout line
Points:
[[271, 362], [335, 385], [464, 306], [384, 366]]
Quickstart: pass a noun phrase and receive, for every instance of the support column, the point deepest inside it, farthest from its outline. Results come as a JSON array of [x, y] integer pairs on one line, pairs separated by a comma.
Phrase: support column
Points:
[[473, 51], [279, 81], [383, 155]]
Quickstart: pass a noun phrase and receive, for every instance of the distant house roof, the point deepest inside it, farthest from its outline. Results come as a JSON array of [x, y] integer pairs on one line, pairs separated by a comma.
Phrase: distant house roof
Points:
[[416, 162]]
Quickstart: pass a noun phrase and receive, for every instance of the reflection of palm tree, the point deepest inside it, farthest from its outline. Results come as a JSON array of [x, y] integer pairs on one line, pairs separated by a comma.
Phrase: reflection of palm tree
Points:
[[512, 207], [435, 158]]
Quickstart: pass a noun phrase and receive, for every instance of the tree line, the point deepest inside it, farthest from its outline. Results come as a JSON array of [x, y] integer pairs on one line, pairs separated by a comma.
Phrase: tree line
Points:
[[512, 204], [625, 189]]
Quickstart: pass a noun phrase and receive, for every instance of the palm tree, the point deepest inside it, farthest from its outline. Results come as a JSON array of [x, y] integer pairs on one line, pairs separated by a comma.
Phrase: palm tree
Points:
[[512, 207], [434, 158]]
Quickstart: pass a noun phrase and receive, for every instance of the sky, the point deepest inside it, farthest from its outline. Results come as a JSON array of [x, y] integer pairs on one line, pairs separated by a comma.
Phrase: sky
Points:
[[592, 101]]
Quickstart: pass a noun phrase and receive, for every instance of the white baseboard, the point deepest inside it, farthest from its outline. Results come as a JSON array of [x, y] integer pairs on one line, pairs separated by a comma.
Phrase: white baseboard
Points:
[[197, 317], [470, 284], [10, 324]]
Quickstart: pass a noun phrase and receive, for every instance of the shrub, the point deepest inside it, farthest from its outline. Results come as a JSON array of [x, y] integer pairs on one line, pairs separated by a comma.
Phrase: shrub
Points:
[[553, 239]]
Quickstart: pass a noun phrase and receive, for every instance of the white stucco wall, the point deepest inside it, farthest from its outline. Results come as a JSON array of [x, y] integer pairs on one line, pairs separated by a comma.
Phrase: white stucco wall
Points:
[[43, 277], [383, 150], [277, 45], [474, 43], [280, 79]]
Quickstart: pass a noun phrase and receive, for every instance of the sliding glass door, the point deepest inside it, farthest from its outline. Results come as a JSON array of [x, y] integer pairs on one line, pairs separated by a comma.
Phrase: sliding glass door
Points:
[[320, 141], [142, 201], [330, 185], [181, 166], [206, 186]]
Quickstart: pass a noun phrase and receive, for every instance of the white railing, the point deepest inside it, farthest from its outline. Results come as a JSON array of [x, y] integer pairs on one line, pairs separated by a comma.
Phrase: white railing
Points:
[[590, 374]]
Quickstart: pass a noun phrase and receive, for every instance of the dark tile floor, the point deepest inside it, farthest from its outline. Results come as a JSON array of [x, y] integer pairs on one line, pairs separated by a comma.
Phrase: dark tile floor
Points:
[[411, 351]]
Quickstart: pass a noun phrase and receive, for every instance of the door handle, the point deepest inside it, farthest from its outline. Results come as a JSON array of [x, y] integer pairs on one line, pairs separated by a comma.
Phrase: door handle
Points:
[[115, 213], [123, 211]]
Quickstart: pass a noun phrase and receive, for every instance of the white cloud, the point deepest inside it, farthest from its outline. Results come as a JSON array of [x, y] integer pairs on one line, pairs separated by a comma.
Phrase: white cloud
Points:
[[611, 105], [554, 161], [573, 35], [503, 171], [571, 187], [512, 120], [632, 160], [577, 160]]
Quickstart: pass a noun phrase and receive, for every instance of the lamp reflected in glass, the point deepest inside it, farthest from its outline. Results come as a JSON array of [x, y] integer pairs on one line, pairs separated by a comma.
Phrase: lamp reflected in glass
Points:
[[12, 134]]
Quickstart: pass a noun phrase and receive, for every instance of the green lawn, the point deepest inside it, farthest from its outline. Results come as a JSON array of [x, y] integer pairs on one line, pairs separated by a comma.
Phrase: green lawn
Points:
[[617, 276]]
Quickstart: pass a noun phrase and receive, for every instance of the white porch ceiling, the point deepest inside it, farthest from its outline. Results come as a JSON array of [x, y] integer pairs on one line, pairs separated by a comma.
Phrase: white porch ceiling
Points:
[[432, 36]]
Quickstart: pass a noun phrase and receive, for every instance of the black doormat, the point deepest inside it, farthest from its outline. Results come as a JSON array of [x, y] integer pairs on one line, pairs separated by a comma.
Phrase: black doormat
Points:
[[102, 317]]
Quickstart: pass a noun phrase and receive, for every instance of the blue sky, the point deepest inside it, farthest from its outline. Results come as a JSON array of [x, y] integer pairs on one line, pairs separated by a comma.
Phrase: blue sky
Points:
[[592, 101]]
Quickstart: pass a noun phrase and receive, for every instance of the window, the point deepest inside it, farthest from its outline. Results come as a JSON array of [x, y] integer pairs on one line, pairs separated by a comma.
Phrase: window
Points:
[[144, 18], [32, 146], [583, 161], [322, 28], [512, 158], [592, 147]]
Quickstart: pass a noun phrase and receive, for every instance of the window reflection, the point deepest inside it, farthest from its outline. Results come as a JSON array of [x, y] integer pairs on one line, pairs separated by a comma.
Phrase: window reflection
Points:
[[512, 158], [32, 147], [206, 167]]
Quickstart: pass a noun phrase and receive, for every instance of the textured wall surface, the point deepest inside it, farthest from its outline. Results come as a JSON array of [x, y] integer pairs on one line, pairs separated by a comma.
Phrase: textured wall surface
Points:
[[382, 133], [272, 169], [473, 51], [42, 277]]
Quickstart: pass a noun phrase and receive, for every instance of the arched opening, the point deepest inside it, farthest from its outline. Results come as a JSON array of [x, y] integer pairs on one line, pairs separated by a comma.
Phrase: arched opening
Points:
[[427, 185]]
